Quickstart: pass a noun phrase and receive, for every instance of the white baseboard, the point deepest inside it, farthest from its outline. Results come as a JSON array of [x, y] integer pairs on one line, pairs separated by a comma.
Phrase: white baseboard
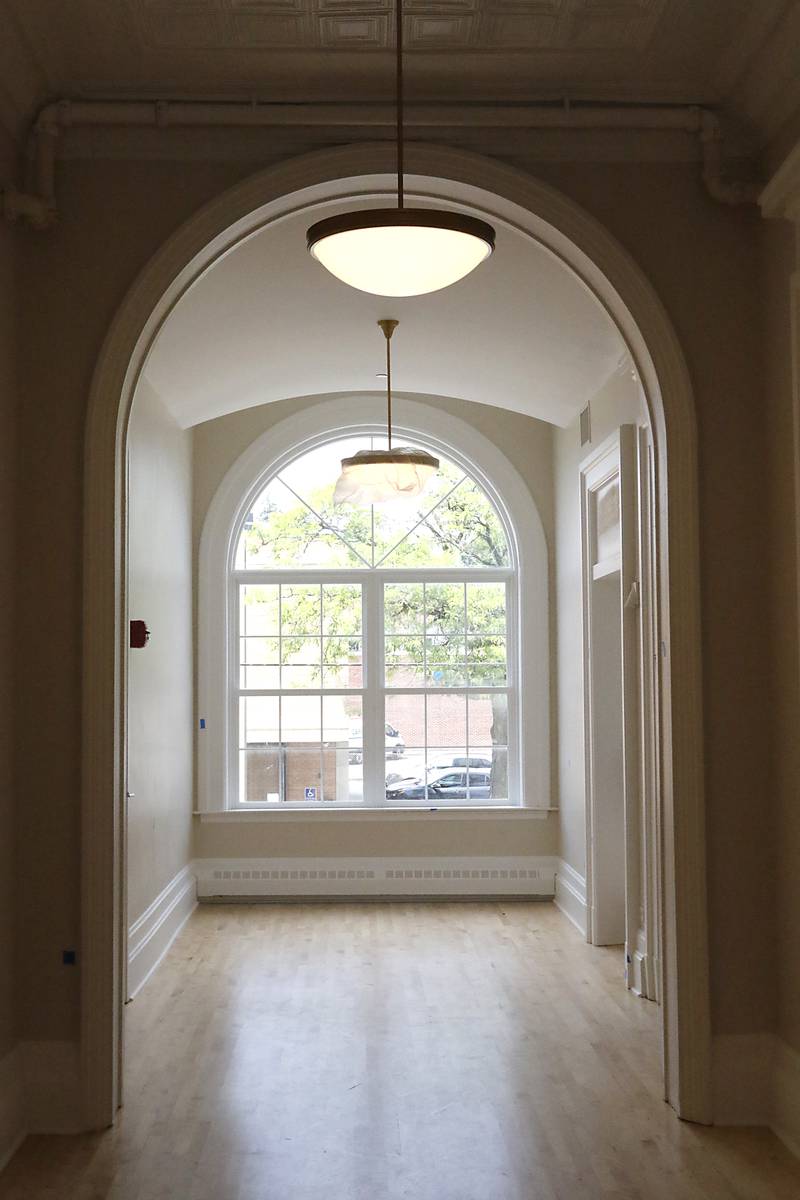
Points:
[[13, 1126], [530, 875], [570, 893], [786, 1095], [643, 975], [152, 934]]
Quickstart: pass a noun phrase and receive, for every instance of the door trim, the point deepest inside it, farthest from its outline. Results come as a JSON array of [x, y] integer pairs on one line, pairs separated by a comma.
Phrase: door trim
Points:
[[586, 248]]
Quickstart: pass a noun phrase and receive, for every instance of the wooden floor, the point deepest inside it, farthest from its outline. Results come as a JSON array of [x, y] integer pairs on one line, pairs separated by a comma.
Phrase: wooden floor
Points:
[[379, 1052]]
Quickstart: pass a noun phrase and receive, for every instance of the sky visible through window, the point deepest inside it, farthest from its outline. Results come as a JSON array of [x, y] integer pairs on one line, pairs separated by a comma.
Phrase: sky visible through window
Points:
[[294, 523]]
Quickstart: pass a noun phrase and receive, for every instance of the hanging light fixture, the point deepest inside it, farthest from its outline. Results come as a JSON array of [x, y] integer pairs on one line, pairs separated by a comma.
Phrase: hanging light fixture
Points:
[[400, 251], [375, 476]]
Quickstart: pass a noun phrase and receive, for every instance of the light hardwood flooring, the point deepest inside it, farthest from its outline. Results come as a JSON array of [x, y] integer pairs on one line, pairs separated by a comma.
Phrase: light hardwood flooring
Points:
[[388, 1051]]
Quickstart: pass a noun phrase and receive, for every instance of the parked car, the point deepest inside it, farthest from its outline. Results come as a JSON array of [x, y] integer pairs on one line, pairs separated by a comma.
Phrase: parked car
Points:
[[446, 762], [394, 777], [445, 785], [395, 746]]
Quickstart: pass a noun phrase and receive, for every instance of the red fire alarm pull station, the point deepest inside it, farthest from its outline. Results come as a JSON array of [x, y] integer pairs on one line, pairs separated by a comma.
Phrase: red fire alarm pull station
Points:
[[140, 635]]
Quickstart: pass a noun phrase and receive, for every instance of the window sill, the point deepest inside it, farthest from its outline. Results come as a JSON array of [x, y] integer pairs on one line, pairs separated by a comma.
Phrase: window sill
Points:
[[491, 812]]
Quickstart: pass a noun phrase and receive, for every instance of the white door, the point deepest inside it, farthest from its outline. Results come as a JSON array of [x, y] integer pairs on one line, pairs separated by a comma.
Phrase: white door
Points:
[[615, 516]]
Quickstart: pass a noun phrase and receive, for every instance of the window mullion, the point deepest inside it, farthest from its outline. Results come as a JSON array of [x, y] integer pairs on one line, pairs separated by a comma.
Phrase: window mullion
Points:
[[467, 740], [372, 723], [233, 796], [513, 748], [425, 684]]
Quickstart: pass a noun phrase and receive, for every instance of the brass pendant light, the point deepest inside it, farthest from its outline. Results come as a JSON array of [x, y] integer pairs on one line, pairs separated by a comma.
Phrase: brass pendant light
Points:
[[400, 251], [377, 476]]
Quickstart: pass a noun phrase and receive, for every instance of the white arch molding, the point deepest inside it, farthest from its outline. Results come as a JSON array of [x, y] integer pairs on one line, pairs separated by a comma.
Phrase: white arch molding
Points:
[[585, 247], [413, 420]]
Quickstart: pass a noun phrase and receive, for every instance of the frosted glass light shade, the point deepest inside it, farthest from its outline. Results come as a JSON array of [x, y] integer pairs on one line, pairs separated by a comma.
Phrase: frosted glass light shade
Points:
[[376, 476], [400, 251]]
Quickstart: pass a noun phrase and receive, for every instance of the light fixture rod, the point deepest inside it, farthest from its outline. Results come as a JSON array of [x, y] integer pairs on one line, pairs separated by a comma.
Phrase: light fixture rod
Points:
[[400, 145], [388, 325]]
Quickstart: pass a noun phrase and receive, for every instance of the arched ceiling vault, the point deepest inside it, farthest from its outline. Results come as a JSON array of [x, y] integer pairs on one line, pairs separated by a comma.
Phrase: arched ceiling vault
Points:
[[267, 323]]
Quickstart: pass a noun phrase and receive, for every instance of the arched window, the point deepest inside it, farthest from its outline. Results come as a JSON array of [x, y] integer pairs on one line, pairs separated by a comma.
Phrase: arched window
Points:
[[374, 655]]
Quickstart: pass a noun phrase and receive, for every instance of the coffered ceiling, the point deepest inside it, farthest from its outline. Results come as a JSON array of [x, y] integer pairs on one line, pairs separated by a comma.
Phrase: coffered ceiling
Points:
[[734, 53], [481, 25]]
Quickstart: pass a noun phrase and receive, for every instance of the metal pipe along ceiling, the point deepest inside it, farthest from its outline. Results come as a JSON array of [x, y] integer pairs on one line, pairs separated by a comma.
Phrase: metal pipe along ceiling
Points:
[[36, 205]]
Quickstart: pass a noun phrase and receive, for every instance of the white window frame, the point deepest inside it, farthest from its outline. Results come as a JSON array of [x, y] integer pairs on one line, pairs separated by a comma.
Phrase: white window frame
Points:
[[528, 660], [373, 690]]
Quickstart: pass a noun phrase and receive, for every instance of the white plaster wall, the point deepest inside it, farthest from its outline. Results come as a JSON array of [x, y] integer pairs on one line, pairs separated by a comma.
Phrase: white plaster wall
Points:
[[160, 690], [616, 404]]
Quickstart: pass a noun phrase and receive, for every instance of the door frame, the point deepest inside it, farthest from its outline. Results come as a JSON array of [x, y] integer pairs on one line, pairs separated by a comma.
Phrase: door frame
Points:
[[625, 454], [503, 194], [603, 464]]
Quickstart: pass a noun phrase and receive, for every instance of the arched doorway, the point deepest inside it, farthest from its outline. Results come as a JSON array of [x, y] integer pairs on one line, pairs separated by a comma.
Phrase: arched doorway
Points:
[[588, 251]]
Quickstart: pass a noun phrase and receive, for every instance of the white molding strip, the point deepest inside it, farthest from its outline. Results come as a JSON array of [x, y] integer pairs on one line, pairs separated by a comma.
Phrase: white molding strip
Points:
[[644, 974], [13, 1126], [529, 875], [786, 1095], [152, 934], [570, 894], [296, 813]]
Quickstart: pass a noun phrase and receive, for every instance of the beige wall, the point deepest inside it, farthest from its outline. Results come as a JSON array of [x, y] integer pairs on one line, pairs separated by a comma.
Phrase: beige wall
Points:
[[75, 276], [527, 443], [701, 258], [160, 679], [350, 839], [615, 404], [8, 447], [781, 611]]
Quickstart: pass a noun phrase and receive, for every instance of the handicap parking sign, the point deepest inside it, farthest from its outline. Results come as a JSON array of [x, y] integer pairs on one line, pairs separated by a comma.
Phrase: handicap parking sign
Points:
[[311, 793]]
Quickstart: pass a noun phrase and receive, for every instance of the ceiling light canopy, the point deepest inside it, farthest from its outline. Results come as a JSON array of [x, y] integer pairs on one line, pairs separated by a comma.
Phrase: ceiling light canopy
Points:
[[400, 251], [378, 476]]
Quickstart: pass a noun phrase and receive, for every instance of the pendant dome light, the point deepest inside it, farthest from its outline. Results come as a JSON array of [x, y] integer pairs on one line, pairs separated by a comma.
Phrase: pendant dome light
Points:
[[375, 476], [400, 251]]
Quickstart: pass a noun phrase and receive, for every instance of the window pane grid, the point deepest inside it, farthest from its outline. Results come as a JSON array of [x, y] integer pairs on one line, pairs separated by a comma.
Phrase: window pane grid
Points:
[[296, 729], [462, 752], [457, 720], [293, 521], [349, 612], [298, 748], [300, 651]]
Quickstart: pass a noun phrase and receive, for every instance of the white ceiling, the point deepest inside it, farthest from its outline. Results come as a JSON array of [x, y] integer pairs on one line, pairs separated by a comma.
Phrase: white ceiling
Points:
[[268, 323]]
